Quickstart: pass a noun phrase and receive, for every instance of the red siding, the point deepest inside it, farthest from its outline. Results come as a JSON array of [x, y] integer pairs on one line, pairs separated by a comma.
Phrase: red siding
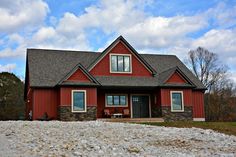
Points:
[[45, 100], [103, 67], [176, 78], [79, 76], [65, 96], [198, 104], [166, 100]]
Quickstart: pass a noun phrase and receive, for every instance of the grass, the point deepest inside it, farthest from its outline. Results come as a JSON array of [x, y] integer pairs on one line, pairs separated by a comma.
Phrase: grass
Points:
[[223, 127]]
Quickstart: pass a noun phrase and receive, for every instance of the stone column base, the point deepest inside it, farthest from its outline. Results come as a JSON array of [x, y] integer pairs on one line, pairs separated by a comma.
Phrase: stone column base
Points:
[[187, 115], [65, 114]]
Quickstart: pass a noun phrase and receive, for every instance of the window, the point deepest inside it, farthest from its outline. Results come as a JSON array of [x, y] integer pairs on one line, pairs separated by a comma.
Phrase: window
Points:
[[116, 100], [78, 101], [120, 63], [177, 101]]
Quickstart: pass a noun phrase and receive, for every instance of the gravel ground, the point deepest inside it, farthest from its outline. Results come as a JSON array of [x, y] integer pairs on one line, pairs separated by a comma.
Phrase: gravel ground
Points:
[[96, 138]]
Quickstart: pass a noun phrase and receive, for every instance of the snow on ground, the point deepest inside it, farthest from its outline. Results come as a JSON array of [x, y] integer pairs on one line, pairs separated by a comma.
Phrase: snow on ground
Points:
[[96, 138]]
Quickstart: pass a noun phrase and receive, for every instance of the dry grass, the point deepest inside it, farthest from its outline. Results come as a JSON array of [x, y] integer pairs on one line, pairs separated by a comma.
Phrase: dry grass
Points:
[[223, 127]]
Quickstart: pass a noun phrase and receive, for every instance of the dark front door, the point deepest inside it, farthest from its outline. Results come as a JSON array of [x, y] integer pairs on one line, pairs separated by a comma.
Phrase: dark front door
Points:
[[140, 106]]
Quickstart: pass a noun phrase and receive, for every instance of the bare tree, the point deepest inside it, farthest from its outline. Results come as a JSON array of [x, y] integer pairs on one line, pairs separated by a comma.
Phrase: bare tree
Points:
[[206, 66], [220, 99]]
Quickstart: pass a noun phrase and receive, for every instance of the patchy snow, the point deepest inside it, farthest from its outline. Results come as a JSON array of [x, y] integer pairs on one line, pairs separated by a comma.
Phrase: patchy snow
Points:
[[96, 138]]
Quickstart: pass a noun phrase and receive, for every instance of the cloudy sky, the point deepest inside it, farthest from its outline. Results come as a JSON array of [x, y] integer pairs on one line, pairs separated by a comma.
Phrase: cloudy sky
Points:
[[160, 26]]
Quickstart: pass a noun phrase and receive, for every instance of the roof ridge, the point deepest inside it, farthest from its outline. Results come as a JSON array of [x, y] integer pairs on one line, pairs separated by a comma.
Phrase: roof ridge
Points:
[[86, 51], [152, 54], [63, 50]]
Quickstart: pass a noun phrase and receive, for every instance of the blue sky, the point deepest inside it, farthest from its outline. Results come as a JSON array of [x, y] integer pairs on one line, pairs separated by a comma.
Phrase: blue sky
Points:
[[162, 27]]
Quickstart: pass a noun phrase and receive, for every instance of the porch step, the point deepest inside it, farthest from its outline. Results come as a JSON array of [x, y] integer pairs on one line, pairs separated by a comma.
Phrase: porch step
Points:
[[134, 120]]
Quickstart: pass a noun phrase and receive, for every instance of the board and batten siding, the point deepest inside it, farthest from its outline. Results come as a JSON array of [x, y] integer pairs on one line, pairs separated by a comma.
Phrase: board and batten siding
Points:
[[45, 100], [198, 104], [166, 97], [65, 95], [102, 68], [191, 98]]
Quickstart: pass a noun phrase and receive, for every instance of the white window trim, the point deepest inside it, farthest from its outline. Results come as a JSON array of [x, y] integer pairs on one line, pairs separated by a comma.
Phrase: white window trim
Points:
[[182, 96], [120, 72], [126, 105], [85, 101]]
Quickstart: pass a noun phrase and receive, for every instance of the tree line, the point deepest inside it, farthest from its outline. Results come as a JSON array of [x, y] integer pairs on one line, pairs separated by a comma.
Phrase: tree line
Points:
[[220, 96], [12, 105]]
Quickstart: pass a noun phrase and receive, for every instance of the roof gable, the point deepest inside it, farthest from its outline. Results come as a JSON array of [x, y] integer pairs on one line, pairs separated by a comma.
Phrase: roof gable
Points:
[[176, 78], [78, 74], [132, 50]]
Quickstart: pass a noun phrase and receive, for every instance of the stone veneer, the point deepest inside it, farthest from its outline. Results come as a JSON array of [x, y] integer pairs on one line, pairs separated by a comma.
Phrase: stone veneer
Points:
[[65, 114], [177, 116], [155, 111]]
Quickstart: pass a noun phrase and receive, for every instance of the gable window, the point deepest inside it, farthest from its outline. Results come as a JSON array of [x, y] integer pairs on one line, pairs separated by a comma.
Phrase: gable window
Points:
[[120, 63], [177, 104], [78, 101], [116, 100]]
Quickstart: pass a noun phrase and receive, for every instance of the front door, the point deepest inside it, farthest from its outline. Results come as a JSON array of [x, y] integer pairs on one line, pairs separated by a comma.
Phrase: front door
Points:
[[140, 106]]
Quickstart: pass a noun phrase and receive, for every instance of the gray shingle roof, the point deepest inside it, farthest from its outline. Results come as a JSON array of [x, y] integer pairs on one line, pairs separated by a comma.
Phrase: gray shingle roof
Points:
[[48, 67], [127, 81], [162, 63]]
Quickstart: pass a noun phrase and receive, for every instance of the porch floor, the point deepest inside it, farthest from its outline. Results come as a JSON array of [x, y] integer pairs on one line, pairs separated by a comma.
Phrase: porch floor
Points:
[[135, 120]]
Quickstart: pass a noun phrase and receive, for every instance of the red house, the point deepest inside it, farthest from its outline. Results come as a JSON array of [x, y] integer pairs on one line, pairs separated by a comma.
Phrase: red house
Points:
[[78, 85]]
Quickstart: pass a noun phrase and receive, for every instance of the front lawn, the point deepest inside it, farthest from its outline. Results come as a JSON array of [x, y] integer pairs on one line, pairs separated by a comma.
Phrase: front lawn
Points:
[[223, 127]]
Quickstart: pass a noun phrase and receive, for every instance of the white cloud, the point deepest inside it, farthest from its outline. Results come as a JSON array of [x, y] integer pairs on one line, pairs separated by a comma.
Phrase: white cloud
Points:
[[128, 19], [119, 17], [43, 34], [233, 76], [48, 37], [15, 46], [222, 42], [18, 14], [109, 16], [7, 67], [222, 15], [161, 32]]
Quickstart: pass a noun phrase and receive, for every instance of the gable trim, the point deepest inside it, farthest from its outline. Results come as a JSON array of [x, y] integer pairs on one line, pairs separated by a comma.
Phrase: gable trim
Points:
[[176, 72], [130, 48], [79, 66], [177, 69]]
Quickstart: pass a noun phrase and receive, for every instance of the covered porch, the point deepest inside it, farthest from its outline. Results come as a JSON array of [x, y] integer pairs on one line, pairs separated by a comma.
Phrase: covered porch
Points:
[[128, 103]]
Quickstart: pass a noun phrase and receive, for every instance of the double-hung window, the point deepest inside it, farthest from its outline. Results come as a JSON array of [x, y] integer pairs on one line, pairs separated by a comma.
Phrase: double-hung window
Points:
[[116, 100], [120, 63], [177, 104], [78, 101]]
